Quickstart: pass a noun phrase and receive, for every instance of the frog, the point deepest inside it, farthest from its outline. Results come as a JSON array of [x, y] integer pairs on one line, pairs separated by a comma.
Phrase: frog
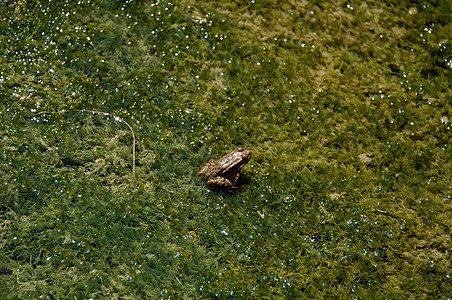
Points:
[[224, 173]]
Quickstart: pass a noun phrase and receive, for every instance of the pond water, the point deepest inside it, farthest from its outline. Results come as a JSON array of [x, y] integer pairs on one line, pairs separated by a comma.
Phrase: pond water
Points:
[[109, 108]]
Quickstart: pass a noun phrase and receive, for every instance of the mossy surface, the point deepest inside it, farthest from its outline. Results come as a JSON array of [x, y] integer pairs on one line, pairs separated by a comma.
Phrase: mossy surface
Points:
[[346, 106]]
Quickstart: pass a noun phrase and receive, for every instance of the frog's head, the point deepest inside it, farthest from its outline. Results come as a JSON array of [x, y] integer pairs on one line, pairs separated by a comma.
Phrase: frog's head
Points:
[[245, 155], [234, 161]]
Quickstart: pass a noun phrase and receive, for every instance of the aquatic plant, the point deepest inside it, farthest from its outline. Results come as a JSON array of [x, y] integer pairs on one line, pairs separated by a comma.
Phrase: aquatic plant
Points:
[[345, 105]]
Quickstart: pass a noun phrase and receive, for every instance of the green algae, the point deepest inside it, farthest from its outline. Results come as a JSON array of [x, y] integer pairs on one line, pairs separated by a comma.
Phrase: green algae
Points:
[[346, 107]]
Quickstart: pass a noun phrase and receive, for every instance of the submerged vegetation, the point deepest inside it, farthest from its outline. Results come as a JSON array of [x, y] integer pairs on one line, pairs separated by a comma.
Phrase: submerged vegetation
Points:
[[346, 107]]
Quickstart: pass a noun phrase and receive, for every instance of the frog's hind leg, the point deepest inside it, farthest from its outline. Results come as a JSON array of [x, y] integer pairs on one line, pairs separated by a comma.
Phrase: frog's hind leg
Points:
[[219, 183], [206, 167]]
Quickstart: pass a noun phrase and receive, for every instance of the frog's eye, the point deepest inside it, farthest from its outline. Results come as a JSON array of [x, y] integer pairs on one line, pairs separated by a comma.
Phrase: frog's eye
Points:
[[240, 149]]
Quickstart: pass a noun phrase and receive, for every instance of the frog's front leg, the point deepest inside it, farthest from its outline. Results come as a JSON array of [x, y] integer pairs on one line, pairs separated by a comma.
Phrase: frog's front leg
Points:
[[219, 183], [235, 180]]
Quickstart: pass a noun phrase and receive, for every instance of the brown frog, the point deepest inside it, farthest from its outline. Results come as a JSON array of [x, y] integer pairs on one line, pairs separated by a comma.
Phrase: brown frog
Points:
[[224, 173]]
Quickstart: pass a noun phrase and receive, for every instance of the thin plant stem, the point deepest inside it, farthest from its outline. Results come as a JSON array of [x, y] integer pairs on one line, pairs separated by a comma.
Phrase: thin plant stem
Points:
[[105, 114]]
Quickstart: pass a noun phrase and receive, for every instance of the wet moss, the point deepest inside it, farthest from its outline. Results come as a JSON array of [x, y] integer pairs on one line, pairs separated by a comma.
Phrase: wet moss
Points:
[[345, 106]]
